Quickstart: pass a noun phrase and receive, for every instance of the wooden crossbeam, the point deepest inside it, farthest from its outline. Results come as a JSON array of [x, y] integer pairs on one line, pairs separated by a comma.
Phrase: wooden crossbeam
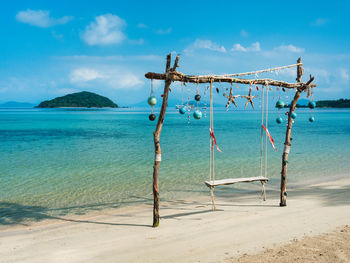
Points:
[[178, 76]]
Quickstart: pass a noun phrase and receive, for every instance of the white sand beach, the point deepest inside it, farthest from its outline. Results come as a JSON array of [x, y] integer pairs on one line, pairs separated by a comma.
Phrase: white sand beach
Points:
[[189, 231]]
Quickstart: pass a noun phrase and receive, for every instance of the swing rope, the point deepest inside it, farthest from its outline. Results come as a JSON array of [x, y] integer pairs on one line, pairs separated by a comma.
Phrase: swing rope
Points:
[[262, 131], [264, 106], [211, 147], [266, 118]]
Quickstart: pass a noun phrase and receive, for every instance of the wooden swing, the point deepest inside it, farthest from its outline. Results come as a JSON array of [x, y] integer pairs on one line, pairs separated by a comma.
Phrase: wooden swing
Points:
[[171, 75], [263, 179]]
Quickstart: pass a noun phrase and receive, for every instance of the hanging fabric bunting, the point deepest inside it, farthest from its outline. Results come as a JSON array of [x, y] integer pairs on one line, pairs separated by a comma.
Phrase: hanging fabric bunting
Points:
[[213, 139], [270, 137]]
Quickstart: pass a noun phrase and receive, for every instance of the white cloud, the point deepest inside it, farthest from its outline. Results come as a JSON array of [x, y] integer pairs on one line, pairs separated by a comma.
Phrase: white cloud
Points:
[[255, 47], [105, 30], [290, 48], [204, 44], [244, 33], [3, 90], [104, 77], [319, 22], [141, 25], [81, 75], [57, 36], [344, 74], [139, 41], [164, 31], [40, 18]]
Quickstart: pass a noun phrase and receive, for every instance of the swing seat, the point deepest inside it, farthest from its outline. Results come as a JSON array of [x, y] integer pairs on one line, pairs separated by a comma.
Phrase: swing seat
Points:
[[229, 181]]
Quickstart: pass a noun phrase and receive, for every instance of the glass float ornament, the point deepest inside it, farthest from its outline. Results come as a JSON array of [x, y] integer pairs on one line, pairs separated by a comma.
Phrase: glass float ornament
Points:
[[312, 104], [152, 117], [152, 100], [182, 110], [311, 119], [293, 115], [197, 97], [197, 114], [280, 104], [279, 120]]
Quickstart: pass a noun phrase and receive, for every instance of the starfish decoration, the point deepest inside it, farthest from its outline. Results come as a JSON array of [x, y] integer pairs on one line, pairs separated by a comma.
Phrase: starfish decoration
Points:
[[230, 98], [249, 98]]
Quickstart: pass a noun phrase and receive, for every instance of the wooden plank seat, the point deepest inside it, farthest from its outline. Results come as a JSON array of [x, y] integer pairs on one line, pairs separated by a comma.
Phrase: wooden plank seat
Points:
[[229, 181]]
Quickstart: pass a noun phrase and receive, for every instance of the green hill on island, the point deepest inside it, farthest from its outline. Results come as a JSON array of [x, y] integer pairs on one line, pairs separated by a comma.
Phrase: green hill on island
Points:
[[340, 103], [82, 99]]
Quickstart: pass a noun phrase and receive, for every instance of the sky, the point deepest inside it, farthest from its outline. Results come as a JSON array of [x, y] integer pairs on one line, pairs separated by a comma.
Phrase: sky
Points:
[[52, 48]]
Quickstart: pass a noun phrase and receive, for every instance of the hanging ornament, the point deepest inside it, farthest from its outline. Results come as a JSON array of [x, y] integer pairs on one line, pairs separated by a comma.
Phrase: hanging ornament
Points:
[[279, 120], [280, 104], [230, 98], [293, 115], [188, 107], [205, 102], [152, 100], [152, 117], [312, 104], [249, 98], [182, 110], [197, 114], [197, 97]]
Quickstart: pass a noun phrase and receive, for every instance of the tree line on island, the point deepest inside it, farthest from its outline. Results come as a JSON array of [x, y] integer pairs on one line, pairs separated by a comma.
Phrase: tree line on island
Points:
[[82, 99], [340, 103]]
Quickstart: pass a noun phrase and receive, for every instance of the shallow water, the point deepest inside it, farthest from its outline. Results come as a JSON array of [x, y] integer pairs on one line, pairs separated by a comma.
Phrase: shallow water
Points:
[[60, 161]]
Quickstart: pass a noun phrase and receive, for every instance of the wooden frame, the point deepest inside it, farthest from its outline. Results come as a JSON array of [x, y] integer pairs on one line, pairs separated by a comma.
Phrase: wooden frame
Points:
[[171, 75]]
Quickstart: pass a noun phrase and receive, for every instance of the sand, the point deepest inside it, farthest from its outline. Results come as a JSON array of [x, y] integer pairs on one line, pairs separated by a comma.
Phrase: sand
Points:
[[189, 230], [330, 247]]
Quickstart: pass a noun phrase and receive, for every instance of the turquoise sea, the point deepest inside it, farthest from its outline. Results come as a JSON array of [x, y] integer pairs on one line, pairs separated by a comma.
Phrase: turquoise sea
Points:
[[55, 162]]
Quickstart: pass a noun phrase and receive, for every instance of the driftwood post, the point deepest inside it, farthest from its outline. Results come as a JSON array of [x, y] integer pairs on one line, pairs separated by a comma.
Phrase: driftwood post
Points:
[[156, 135], [287, 143]]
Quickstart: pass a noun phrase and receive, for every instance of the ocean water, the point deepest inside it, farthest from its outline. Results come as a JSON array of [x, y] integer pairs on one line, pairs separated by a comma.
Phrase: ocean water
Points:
[[55, 162]]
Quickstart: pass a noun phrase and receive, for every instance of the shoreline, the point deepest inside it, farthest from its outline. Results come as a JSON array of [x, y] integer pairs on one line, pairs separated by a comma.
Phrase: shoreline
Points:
[[240, 191], [241, 225]]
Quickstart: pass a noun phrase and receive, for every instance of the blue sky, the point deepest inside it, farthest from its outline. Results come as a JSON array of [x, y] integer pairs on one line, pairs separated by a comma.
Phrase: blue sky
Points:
[[51, 48]]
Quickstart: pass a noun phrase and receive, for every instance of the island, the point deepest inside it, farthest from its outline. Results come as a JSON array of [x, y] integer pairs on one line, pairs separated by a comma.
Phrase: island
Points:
[[340, 103], [82, 99]]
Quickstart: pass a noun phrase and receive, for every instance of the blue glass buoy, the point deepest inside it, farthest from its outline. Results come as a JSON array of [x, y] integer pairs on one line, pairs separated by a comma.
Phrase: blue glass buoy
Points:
[[293, 115], [197, 114], [311, 119], [280, 104], [312, 104], [279, 120], [152, 101], [182, 110]]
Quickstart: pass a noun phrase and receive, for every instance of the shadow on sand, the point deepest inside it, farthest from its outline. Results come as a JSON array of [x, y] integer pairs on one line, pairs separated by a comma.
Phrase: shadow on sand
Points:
[[18, 214]]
